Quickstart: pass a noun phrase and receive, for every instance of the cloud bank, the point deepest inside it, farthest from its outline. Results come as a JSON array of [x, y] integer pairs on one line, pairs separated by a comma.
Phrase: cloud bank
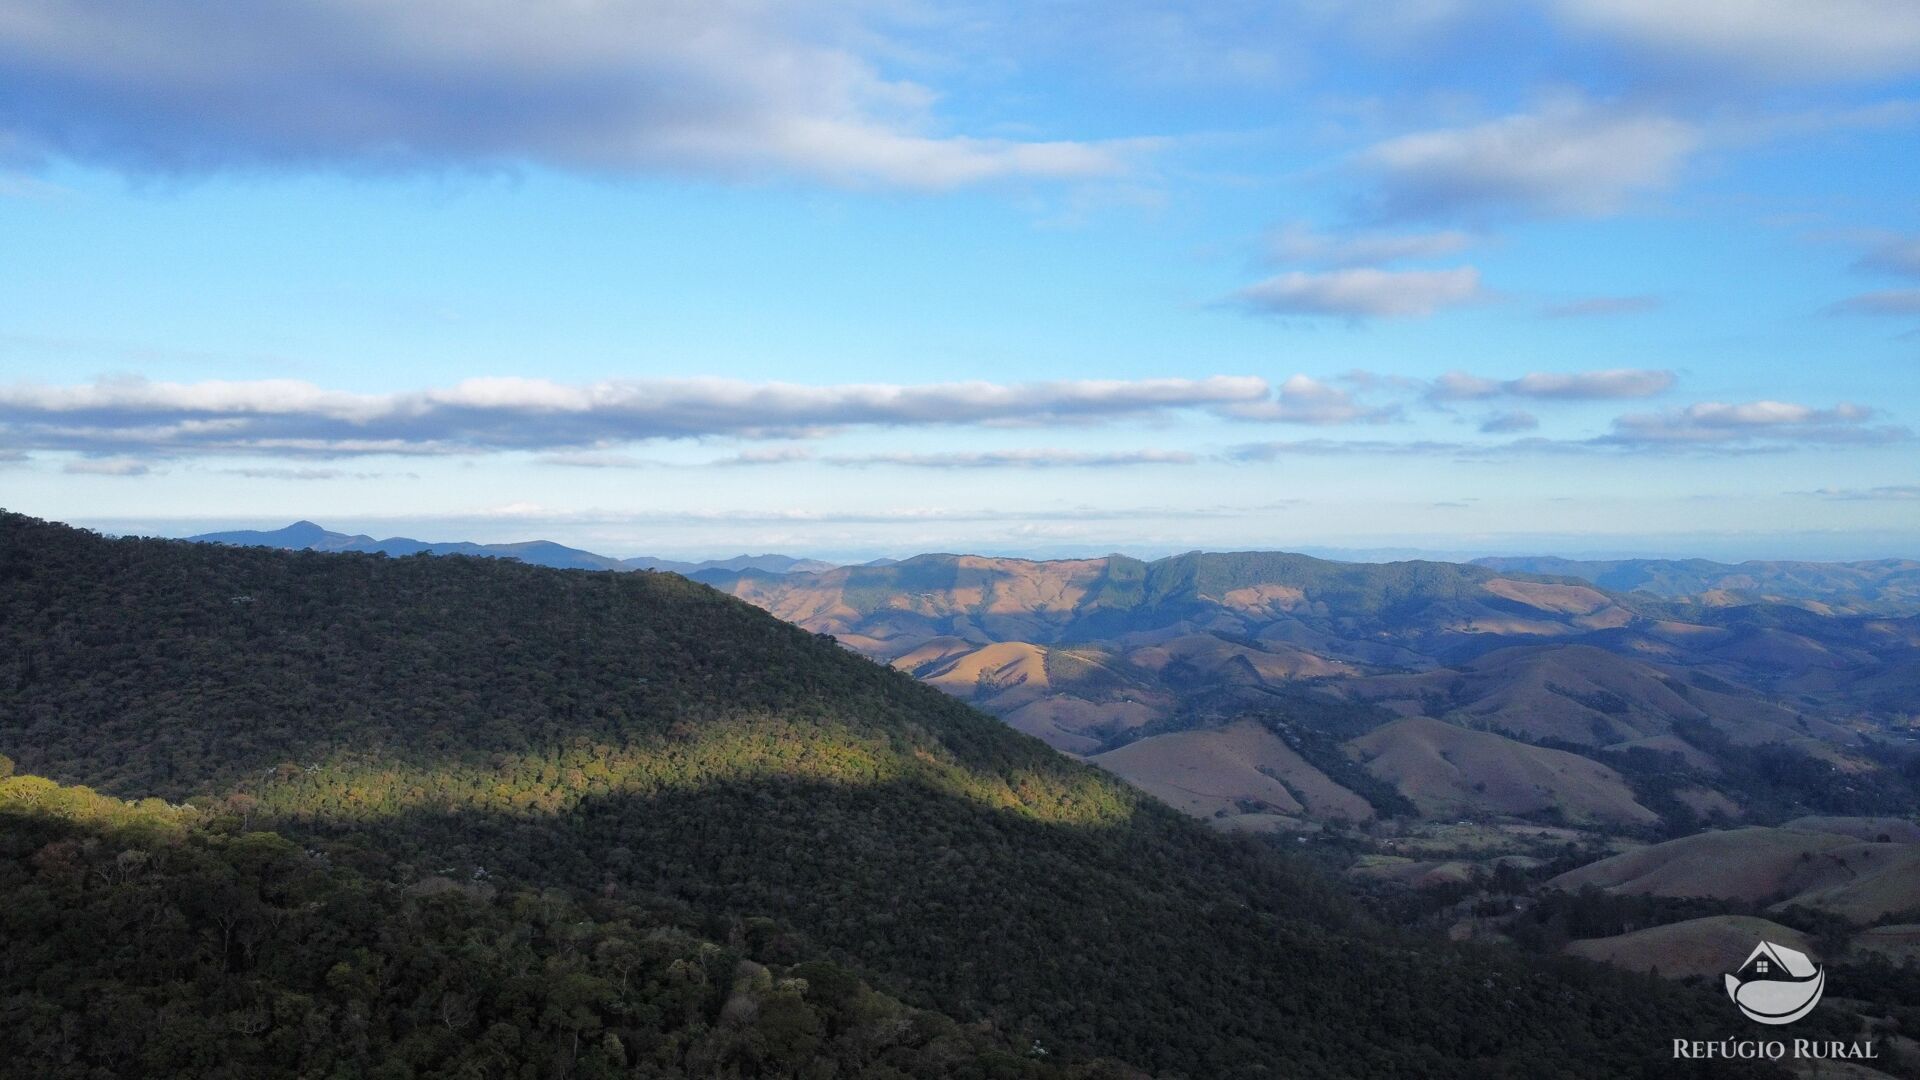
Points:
[[1894, 302], [1364, 292], [1568, 158], [1306, 400], [287, 417], [1610, 384], [1719, 423], [1842, 39], [710, 86], [1298, 243]]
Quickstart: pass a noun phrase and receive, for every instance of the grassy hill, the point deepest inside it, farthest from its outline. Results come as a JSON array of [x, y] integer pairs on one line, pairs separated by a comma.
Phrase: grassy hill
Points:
[[1690, 947], [1859, 879], [642, 740]]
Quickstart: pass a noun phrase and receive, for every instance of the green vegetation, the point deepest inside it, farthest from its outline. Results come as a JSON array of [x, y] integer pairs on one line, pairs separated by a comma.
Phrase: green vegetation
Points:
[[1351, 588], [150, 940], [636, 743], [1772, 782], [1315, 727]]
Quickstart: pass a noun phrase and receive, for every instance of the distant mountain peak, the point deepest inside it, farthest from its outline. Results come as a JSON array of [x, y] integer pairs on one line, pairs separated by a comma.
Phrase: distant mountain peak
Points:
[[310, 536]]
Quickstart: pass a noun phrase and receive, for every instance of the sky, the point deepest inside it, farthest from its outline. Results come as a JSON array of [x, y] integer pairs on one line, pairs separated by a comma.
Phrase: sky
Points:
[[1585, 277]]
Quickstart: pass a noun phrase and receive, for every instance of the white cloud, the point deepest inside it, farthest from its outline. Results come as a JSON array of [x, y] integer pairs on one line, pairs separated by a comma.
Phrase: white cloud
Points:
[[1713, 422], [779, 455], [1365, 292], [1568, 158], [1278, 449], [1510, 422], [286, 417], [1305, 400], [727, 87], [1460, 386], [1020, 459], [1298, 243], [106, 467], [1897, 302], [1590, 385], [1893, 255], [1839, 39], [1613, 383], [587, 459], [272, 473], [1885, 493]]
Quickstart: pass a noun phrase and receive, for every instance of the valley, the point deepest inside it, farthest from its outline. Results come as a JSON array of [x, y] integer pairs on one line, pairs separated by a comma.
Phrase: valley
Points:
[[1473, 747]]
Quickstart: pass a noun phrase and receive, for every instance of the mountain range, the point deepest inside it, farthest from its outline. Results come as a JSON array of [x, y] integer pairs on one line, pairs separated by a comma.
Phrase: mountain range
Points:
[[1453, 689], [1887, 586], [307, 536], [435, 816], [1612, 694]]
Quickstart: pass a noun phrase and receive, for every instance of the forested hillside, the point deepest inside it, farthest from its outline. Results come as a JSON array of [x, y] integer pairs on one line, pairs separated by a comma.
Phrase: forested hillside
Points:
[[641, 742], [153, 940]]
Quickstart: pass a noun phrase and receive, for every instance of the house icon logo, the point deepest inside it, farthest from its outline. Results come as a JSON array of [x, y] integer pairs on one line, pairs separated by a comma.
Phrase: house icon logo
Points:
[[1776, 985]]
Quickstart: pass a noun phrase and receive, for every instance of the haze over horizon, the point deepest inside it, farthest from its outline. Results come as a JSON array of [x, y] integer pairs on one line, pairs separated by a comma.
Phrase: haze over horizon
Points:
[[1573, 277], [1813, 547]]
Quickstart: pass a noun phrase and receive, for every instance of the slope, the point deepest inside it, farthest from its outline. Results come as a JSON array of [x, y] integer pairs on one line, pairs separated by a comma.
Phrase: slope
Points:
[[1859, 880], [257, 959], [1221, 772], [1705, 946], [1448, 770], [637, 735]]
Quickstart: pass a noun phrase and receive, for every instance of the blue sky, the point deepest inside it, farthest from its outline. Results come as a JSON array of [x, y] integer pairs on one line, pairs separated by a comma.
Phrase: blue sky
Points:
[[1583, 276]]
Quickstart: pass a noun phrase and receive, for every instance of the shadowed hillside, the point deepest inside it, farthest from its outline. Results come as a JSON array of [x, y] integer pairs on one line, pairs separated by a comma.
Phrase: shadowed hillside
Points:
[[646, 740], [258, 958]]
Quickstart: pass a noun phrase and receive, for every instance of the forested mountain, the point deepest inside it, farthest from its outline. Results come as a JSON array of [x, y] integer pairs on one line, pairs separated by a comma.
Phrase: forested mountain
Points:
[[306, 536], [647, 752]]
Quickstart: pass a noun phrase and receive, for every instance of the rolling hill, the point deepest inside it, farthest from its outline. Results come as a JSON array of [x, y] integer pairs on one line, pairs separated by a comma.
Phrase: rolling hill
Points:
[[1861, 880], [1691, 947], [1092, 655], [1448, 771], [1240, 769], [641, 741]]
